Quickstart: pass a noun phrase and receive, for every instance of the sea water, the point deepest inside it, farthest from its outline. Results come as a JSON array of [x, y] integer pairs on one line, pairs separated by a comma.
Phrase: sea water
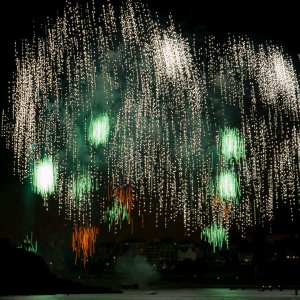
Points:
[[173, 294]]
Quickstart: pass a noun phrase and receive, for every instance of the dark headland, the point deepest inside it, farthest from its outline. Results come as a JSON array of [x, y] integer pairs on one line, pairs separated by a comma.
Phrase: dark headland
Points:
[[26, 273]]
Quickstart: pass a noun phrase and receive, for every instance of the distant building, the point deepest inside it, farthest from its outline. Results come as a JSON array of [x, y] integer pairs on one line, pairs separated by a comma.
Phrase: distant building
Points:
[[158, 254], [186, 252]]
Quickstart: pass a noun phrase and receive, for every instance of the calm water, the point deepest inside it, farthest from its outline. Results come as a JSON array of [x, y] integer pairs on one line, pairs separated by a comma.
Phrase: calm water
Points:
[[174, 294]]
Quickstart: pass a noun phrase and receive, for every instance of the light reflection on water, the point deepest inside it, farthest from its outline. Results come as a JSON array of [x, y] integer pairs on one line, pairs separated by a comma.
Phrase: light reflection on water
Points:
[[173, 294]]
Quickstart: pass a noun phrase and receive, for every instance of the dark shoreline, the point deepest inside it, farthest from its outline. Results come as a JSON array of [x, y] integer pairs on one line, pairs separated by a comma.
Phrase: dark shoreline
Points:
[[26, 273]]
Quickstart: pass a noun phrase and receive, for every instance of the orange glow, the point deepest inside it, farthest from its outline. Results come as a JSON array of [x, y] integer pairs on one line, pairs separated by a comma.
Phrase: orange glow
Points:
[[226, 211], [124, 195], [221, 207], [83, 242], [218, 202]]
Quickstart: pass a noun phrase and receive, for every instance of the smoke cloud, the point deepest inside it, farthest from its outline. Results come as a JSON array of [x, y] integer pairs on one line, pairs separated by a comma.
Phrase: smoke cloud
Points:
[[135, 269]]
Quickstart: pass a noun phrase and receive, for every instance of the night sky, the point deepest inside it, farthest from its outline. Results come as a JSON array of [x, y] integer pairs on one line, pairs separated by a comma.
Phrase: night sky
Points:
[[19, 213]]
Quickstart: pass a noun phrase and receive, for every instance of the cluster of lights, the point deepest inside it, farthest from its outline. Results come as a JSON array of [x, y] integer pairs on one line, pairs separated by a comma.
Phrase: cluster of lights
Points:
[[118, 97]]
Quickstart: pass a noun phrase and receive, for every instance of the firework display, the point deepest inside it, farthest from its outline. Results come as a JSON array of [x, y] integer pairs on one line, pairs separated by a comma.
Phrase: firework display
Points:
[[44, 177], [121, 206], [227, 186], [83, 242], [232, 144], [215, 235], [123, 116], [28, 244], [99, 130]]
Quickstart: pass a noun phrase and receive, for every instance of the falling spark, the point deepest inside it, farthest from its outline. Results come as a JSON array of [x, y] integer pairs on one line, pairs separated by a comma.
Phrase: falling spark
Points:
[[81, 185], [28, 244], [121, 207], [83, 242], [215, 235], [116, 214]]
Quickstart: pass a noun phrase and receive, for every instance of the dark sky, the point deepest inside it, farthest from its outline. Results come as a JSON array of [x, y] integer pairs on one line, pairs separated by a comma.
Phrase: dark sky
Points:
[[260, 20]]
